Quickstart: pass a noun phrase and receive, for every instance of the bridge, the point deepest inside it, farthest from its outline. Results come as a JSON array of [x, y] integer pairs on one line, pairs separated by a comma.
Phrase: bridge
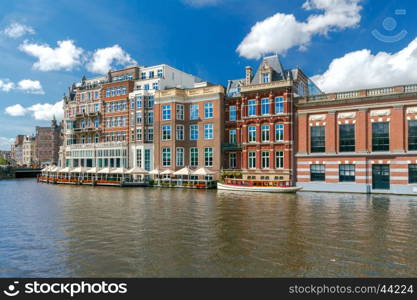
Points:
[[26, 172]]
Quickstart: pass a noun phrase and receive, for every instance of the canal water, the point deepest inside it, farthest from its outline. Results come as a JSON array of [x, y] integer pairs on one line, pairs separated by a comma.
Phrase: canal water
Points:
[[78, 231]]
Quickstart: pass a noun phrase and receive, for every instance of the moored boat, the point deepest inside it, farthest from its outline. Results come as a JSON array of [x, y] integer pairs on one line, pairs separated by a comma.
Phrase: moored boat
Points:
[[268, 186]]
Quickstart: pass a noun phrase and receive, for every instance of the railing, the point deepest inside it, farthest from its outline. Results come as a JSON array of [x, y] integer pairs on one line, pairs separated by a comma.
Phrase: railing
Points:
[[412, 88]]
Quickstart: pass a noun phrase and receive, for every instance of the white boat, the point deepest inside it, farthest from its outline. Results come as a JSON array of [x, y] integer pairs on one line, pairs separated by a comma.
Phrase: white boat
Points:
[[257, 186]]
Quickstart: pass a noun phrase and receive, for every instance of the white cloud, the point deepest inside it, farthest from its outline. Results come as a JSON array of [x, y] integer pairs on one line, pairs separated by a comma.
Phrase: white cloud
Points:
[[16, 30], [26, 85], [200, 3], [281, 32], [6, 85], [16, 110], [64, 57], [5, 143], [39, 111], [361, 69], [46, 111], [103, 59], [30, 86]]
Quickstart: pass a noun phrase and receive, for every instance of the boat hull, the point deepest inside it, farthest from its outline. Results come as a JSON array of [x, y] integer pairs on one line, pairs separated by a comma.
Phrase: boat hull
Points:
[[230, 187]]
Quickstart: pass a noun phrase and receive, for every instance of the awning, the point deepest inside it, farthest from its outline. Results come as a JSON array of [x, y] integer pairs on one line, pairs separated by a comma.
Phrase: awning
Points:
[[184, 171], [65, 170], [92, 170], [137, 170], [203, 171], [79, 170], [155, 172], [104, 171], [119, 171], [167, 172]]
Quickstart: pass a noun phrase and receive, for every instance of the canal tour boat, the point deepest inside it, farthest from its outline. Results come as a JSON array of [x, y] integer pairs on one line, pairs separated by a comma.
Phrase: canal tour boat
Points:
[[269, 186]]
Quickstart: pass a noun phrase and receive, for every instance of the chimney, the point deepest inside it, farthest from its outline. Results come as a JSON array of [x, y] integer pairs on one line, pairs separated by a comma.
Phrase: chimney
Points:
[[248, 78]]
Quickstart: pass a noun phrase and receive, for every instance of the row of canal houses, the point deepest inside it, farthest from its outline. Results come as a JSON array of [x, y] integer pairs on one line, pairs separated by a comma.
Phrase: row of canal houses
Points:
[[272, 125]]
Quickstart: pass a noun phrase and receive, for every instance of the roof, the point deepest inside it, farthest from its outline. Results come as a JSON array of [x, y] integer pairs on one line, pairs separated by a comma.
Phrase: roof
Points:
[[275, 64]]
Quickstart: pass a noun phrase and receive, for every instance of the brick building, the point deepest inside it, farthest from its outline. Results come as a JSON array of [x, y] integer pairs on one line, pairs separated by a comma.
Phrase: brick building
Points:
[[109, 119], [188, 128], [258, 140], [47, 143], [358, 141]]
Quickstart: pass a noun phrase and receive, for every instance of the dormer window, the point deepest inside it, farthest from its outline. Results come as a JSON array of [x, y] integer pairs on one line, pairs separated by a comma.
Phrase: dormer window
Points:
[[265, 78]]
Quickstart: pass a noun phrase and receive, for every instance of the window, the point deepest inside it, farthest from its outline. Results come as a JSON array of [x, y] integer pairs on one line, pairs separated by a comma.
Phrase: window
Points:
[[96, 138], [412, 173], [265, 106], [166, 157], [155, 86], [279, 159], [147, 159], [151, 74], [149, 117], [265, 133], [180, 132], [139, 117], [252, 160], [166, 132], [107, 93], [180, 157], [380, 136], [208, 157], [96, 123], [347, 138], [317, 173], [252, 134], [143, 75], [180, 112], [279, 105], [265, 77], [232, 136], [139, 134], [150, 101], [412, 135], [279, 132], [160, 73], [232, 160], [317, 139], [96, 107], [146, 87], [251, 107], [194, 112], [208, 131], [149, 137], [265, 159], [232, 113], [193, 157], [166, 112], [139, 101], [139, 158], [193, 132], [208, 110], [347, 173]]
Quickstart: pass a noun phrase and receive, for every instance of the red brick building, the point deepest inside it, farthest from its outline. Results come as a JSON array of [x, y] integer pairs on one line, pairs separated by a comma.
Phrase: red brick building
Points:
[[259, 121], [188, 128], [358, 141]]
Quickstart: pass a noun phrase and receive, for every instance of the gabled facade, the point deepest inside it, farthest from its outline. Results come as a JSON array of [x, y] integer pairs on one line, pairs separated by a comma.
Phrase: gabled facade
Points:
[[259, 121]]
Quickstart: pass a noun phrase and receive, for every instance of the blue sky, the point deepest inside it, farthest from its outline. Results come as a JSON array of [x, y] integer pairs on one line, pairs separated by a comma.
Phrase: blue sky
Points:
[[342, 44]]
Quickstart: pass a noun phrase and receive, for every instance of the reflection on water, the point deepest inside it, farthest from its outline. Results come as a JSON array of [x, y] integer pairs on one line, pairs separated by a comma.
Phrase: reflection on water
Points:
[[50, 230]]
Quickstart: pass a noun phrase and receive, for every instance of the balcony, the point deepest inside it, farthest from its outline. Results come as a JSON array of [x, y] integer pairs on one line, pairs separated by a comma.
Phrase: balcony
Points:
[[87, 129], [231, 147]]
